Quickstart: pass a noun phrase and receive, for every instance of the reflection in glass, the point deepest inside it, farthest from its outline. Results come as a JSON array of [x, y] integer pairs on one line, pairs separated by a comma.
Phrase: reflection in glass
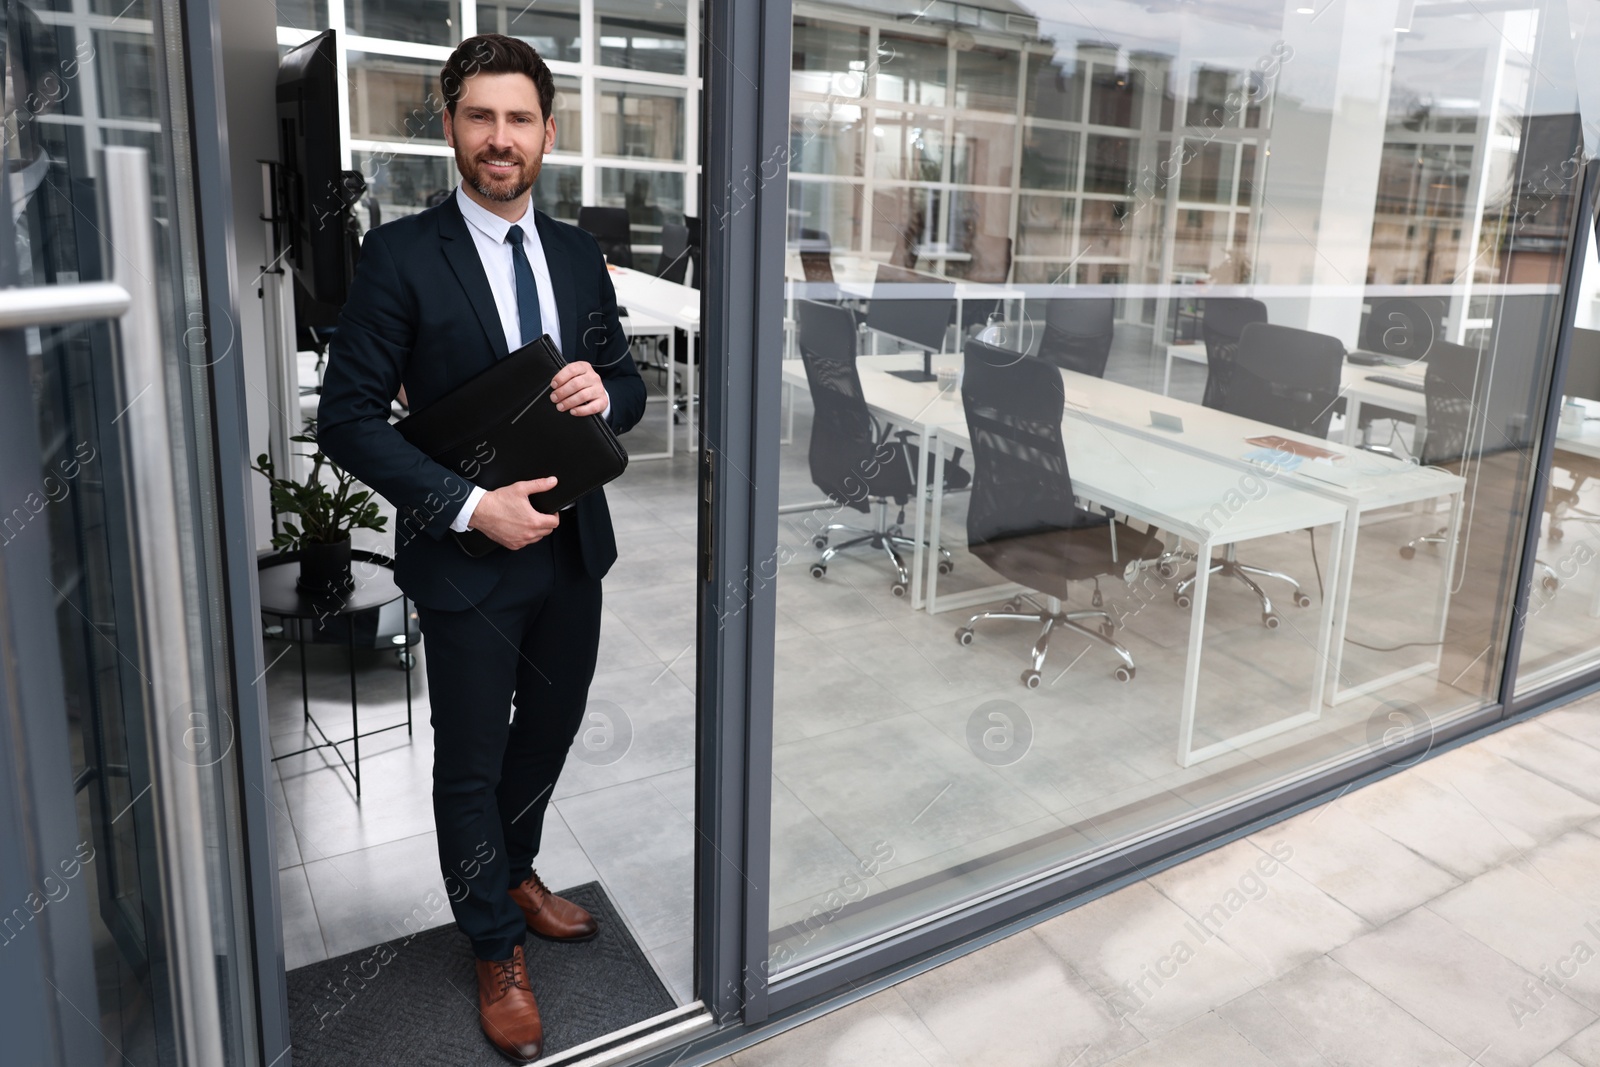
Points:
[[419, 21], [395, 99], [551, 26], [1204, 219], [640, 36], [641, 120], [912, 70]]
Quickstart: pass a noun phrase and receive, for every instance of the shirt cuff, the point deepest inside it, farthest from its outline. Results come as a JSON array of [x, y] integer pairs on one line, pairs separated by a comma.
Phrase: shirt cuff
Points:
[[464, 516], [606, 414]]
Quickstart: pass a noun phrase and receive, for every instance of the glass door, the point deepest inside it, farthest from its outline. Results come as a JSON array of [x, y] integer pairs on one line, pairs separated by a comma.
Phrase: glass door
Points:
[[121, 787]]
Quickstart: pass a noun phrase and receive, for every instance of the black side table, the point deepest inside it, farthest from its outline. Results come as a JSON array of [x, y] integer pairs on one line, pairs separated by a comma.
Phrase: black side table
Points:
[[374, 588]]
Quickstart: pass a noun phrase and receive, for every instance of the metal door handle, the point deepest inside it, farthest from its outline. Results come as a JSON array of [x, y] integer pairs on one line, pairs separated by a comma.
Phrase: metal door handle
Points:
[[164, 617]]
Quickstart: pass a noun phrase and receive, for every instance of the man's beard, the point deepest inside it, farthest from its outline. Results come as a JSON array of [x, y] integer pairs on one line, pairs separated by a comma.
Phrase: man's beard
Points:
[[478, 176]]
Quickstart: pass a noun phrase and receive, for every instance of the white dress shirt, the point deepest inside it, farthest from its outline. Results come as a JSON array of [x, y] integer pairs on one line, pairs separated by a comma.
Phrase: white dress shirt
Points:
[[488, 232]]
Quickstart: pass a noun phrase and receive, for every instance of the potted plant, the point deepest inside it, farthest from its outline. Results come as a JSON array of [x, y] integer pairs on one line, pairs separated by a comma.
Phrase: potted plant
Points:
[[327, 510]]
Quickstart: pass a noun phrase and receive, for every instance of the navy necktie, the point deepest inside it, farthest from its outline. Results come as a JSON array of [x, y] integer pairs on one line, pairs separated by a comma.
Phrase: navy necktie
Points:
[[528, 317]]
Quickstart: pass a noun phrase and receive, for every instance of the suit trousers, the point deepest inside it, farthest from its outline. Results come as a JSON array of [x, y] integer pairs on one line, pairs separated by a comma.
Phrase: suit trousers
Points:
[[508, 682]]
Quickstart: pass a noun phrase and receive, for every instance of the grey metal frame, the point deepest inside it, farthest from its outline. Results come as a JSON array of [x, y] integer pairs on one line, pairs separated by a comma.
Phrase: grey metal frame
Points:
[[744, 197], [230, 445]]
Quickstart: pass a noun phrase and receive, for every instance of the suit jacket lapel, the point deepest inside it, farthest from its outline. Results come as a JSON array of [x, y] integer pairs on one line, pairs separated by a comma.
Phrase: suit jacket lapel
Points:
[[462, 255], [561, 282]]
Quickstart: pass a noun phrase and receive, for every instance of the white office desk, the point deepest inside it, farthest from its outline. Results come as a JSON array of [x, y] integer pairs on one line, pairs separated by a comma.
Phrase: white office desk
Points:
[[1175, 489], [1357, 388], [663, 306], [1359, 481], [1193, 352]]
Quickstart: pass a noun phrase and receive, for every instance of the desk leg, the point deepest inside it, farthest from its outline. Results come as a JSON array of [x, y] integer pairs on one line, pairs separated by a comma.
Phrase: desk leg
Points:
[[935, 522], [1343, 588], [1166, 378], [672, 387], [1352, 419], [405, 624], [355, 719], [919, 524], [691, 387], [305, 691], [1191, 671]]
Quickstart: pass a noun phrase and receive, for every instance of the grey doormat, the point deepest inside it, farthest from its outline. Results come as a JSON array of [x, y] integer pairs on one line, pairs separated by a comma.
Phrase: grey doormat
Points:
[[414, 1000]]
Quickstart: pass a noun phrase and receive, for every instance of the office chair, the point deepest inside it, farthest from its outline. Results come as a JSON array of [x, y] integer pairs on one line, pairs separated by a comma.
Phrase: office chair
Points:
[[990, 265], [816, 255], [1452, 389], [856, 462], [675, 254], [1023, 520], [611, 230], [1222, 321], [1284, 377], [1077, 334]]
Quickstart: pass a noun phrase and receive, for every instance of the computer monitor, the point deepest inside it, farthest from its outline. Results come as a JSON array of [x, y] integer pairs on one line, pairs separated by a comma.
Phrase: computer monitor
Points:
[[1583, 365], [919, 318]]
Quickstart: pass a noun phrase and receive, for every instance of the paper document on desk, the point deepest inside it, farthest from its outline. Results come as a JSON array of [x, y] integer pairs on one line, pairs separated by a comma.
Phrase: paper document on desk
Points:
[[1274, 458]]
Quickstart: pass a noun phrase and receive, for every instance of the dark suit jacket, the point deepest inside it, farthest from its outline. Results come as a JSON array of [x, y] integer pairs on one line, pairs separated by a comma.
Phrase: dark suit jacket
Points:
[[420, 313]]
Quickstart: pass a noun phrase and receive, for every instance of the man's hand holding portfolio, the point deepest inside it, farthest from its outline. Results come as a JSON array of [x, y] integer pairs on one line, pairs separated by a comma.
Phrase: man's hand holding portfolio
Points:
[[506, 517], [577, 388]]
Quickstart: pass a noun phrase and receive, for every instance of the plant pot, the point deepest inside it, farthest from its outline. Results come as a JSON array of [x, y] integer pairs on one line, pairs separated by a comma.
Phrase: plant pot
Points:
[[325, 568]]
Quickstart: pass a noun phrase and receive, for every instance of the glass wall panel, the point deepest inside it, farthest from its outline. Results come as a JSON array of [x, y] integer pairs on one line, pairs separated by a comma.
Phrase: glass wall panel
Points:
[[641, 120], [416, 21], [1561, 630], [551, 26], [641, 35], [1162, 411], [395, 99]]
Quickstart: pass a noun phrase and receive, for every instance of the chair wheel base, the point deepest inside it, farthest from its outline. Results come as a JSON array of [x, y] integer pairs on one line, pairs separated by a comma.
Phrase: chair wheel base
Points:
[[1031, 679], [819, 542], [945, 566], [1550, 582], [1271, 622], [1301, 600], [1124, 674], [964, 635], [1408, 551], [1182, 600], [819, 570], [898, 589]]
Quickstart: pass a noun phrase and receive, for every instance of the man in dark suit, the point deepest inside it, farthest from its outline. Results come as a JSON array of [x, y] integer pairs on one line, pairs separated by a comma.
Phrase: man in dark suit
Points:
[[437, 297]]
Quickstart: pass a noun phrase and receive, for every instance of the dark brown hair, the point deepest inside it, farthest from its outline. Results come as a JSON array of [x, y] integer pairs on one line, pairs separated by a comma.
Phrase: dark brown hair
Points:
[[495, 53]]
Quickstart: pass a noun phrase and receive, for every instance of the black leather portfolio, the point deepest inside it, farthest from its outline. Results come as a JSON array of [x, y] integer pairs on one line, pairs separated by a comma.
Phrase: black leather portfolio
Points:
[[501, 427]]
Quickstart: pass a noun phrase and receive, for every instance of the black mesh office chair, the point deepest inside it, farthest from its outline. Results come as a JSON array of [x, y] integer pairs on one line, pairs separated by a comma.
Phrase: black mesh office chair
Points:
[[990, 265], [855, 461], [675, 253], [1283, 377], [816, 255], [610, 228], [1023, 520], [1222, 321], [1078, 333]]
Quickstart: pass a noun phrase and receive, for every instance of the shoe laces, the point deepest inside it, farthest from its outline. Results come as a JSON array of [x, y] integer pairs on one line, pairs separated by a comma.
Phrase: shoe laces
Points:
[[511, 974]]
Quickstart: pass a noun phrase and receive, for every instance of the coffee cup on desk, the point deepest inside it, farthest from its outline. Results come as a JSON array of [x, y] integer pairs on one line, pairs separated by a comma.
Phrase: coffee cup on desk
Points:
[[948, 379]]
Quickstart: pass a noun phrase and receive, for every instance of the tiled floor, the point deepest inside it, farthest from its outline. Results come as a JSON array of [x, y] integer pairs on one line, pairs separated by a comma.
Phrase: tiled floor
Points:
[[1449, 915]]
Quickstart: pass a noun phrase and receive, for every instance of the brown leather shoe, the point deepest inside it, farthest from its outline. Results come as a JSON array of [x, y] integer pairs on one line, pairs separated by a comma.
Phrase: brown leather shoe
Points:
[[550, 916], [506, 1008]]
